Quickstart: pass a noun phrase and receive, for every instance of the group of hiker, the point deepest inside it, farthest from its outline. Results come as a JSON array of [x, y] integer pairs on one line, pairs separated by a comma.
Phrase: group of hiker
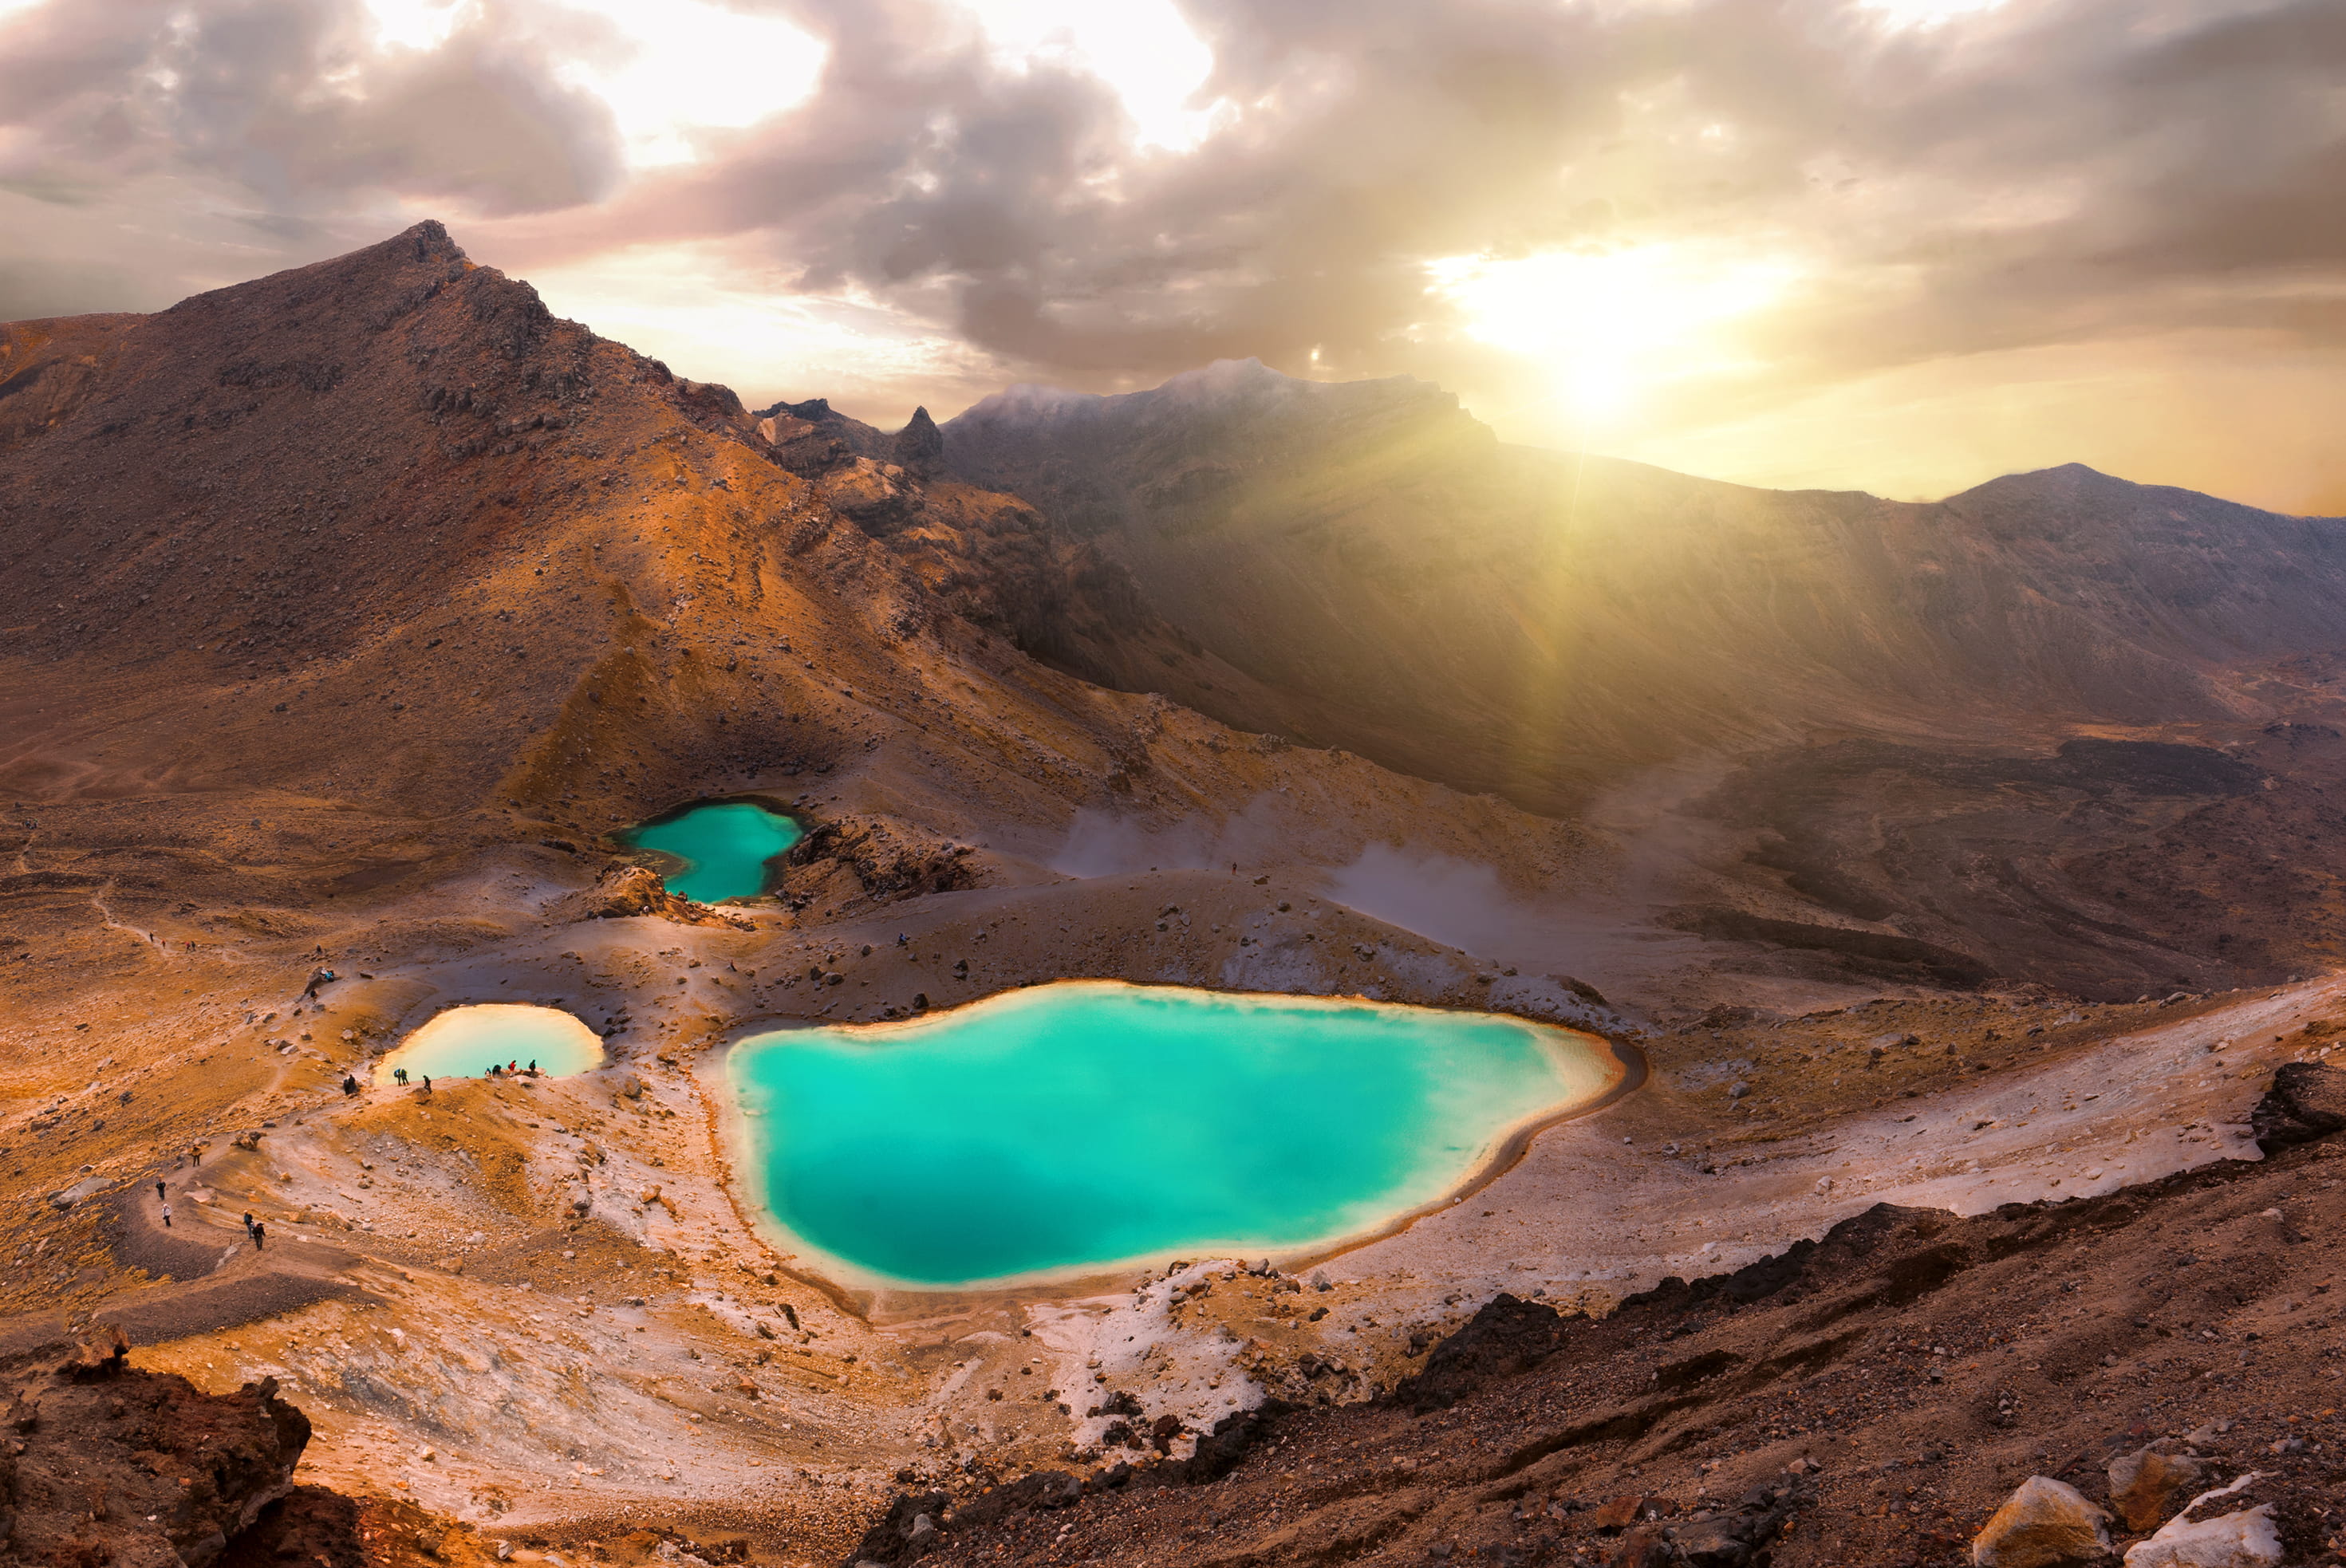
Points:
[[514, 1070], [253, 1228]]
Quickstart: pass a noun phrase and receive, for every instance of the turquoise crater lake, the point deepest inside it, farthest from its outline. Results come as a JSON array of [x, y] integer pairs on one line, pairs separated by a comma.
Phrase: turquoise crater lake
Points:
[[466, 1042], [1070, 1127], [722, 848]]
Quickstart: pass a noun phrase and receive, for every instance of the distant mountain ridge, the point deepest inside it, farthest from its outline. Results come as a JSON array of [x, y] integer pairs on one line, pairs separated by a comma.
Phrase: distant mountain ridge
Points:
[[1537, 623]]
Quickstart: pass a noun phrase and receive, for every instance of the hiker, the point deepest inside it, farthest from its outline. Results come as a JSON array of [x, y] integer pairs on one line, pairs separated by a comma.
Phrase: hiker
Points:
[[260, 1234], [317, 978], [350, 1085], [167, 1216], [513, 1067], [159, 1194], [247, 1222], [427, 1083], [533, 1067], [494, 1071]]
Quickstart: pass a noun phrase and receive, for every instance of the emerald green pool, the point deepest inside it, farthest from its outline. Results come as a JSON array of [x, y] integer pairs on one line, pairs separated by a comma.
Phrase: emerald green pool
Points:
[[1069, 1128], [722, 848]]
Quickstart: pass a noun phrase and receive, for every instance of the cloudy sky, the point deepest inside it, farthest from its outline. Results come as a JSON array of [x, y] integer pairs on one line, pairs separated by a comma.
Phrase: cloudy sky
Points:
[[1897, 244]]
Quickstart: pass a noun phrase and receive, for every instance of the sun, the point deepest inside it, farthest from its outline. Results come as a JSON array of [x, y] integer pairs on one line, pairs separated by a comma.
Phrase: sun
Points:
[[1612, 325]]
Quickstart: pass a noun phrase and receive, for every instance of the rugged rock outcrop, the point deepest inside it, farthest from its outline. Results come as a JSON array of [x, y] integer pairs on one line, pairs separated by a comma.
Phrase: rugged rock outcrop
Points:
[[2307, 1101], [996, 561], [106, 1464], [622, 892]]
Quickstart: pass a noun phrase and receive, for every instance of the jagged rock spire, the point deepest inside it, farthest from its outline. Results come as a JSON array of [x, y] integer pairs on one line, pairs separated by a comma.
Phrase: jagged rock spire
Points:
[[921, 445]]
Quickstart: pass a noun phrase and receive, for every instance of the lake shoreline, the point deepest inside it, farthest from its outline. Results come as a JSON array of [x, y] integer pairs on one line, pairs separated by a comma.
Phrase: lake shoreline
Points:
[[1620, 1067]]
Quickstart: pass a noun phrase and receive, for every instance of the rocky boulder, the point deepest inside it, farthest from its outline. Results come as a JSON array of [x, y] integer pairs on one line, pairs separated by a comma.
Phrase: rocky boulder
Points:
[[2150, 1484], [2249, 1539], [2044, 1523], [2307, 1102]]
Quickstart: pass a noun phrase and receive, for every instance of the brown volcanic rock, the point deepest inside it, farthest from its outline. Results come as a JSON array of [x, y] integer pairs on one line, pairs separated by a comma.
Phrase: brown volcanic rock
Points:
[[2043, 1524], [2308, 1101], [104, 1463], [622, 892], [2150, 1484]]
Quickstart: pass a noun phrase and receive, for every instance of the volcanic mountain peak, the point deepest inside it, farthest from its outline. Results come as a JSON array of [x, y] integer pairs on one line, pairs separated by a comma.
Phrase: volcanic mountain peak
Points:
[[1226, 393], [1135, 458], [2073, 498], [394, 483]]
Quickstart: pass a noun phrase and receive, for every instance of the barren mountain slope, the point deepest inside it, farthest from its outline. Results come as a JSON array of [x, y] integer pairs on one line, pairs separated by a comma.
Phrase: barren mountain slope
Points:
[[2054, 728], [1533, 622]]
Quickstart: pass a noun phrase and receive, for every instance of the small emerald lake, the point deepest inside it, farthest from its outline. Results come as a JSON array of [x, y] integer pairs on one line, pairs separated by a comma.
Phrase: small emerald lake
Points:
[[1071, 1127], [719, 848], [466, 1042]]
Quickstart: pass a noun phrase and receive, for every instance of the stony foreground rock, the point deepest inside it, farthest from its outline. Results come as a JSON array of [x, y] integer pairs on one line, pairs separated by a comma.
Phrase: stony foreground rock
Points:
[[2046, 1523], [2248, 1538], [2307, 1101], [106, 1464], [2148, 1486]]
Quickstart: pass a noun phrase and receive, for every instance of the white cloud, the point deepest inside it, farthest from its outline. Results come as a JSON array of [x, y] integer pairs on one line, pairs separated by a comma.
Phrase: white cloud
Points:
[[1925, 12], [1144, 50], [423, 25], [683, 65], [712, 316]]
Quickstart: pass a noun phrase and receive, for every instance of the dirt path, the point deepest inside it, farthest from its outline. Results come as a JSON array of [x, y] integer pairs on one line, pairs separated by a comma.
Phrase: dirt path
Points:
[[208, 1275]]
